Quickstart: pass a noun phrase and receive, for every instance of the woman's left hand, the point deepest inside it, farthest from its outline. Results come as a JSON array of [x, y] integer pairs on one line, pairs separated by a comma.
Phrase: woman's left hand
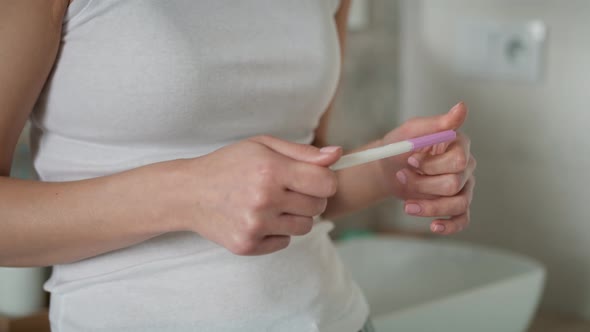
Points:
[[438, 181]]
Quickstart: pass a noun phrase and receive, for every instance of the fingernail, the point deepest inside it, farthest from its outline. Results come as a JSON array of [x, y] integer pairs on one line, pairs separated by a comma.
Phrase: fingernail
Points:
[[456, 107], [414, 162], [413, 208], [401, 177], [438, 228], [329, 149]]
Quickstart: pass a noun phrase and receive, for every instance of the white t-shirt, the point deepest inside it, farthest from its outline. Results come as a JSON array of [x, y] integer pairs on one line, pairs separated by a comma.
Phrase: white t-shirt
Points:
[[143, 81]]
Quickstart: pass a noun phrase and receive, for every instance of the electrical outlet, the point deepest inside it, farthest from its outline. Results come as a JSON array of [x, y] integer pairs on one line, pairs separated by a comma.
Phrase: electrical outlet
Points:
[[495, 50]]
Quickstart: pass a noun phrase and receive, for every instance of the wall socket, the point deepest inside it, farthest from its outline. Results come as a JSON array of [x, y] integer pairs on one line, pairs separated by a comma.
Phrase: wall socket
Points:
[[496, 50]]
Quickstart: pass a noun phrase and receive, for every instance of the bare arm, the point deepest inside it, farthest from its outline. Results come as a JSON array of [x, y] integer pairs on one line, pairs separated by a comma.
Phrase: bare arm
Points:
[[29, 39], [49, 223], [431, 185], [52, 223]]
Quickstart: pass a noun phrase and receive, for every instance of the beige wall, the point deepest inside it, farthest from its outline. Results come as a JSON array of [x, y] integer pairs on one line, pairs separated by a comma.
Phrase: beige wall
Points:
[[532, 140]]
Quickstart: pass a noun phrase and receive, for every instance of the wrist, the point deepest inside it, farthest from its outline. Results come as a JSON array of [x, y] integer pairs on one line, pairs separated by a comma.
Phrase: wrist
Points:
[[164, 185]]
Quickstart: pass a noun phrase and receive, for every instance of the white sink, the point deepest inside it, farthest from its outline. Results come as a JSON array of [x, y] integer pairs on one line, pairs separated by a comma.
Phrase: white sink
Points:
[[433, 285]]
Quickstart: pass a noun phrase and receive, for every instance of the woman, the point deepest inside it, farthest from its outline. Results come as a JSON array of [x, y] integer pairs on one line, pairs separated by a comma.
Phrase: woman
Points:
[[178, 186]]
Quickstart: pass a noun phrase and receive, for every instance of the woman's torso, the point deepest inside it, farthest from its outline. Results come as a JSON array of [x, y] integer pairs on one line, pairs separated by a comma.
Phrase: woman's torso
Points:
[[142, 81]]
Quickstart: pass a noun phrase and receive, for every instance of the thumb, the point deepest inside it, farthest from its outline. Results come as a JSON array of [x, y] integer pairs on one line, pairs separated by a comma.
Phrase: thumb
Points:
[[420, 126], [301, 152]]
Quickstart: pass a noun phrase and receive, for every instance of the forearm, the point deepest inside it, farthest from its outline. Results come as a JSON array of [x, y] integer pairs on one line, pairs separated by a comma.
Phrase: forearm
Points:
[[358, 188], [51, 223]]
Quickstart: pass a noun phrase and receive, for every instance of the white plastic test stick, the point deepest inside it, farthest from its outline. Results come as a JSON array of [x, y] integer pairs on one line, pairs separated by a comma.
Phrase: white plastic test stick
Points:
[[369, 155], [393, 149]]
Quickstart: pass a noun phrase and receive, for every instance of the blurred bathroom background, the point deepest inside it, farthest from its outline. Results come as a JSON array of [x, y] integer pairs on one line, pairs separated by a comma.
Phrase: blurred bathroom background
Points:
[[523, 68]]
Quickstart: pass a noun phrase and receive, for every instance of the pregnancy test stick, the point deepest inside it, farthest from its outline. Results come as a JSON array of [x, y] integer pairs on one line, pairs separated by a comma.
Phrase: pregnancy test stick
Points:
[[393, 149]]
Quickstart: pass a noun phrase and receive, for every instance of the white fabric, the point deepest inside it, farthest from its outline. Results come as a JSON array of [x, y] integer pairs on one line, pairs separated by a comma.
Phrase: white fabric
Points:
[[142, 81]]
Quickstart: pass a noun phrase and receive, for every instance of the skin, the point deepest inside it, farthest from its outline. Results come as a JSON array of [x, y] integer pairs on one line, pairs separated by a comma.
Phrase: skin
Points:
[[441, 183], [53, 223]]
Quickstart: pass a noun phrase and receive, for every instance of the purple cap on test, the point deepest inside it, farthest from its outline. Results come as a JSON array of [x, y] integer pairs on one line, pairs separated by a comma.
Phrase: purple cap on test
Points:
[[429, 140]]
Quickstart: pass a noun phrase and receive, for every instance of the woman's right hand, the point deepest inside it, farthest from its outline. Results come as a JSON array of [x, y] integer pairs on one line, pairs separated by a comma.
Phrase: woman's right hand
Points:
[[252, 196]]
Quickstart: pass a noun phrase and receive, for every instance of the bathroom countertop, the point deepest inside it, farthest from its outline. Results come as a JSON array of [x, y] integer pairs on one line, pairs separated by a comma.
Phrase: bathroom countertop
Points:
[[553, 322]]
